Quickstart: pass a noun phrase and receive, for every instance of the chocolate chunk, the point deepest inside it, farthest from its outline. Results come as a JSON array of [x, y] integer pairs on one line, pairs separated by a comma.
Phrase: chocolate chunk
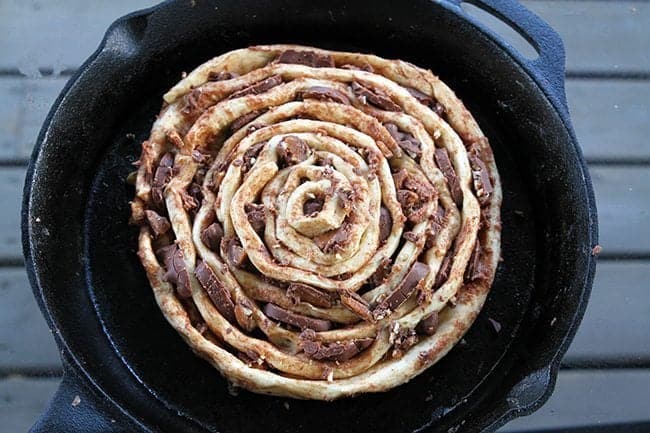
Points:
[[252, 359], [412, 207], [200, 157], [235, 253], [161, 178], [251, 155], [436, 224], [363, 67], [192, 103], [421, 97], [304, 293], [192, 197], [244, 315], [335, 351], [411, 236], [397, 297], [312, 206], [323, 93], [482, 183], [216, 291], [439, 109], [367, 96], [307, 58], [411, 145], [159, 224], [293, 150], [405, 140], [334, 240], [443, 272], [259, 87], [346, 198], [385, 224], [383, 270], [355, 303], [428, 325], [476, 269], [211, 236], [297, 320], [167, 160], [176, 272], [394, 131], [221, 75], [402, 341], [239, 122], [447, 169], [256, 215]]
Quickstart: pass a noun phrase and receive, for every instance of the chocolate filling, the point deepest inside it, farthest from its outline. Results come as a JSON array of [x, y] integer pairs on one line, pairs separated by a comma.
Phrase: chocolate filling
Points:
[[312, 206], [443, 272], [385, 224], [355, 303], [447, 169], [251, 155], [211, 236], [162, 176], [256, 215], [482, 183], [323, 93], [336, 351], [235, 254], [367, 96], [297, 320], [334, 240], [216, 291], [398, 296], [405, 140], [293, 150], [383, 270], [176, 272], [428, 325], [259, 87], [303, 293], [221, 75], [159, 224], [307, 58], [239, 122]]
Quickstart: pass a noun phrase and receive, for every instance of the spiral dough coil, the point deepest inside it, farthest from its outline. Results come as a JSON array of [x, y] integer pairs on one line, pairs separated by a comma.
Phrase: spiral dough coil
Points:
[[317, 224]]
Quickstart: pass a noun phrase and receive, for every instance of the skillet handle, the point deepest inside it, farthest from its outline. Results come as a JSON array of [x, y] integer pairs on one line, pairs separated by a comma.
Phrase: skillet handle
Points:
[[549, 68], [76, 408]]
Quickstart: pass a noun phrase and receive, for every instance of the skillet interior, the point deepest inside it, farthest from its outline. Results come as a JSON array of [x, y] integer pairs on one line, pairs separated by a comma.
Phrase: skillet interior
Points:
[[100, 293]]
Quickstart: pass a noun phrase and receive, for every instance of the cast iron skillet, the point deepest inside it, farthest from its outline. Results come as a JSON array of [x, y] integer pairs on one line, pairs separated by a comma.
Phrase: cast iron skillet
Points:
[[131, 370]]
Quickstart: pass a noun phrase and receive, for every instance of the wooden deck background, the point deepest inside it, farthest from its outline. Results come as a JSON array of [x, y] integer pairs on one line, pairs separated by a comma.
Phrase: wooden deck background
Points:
[[606, 375]]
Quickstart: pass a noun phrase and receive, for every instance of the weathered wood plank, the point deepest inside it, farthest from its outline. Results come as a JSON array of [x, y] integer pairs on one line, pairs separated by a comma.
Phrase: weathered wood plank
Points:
[[622, 195], [591, 397], [58, 34], [616, 323], [24, 399], [11, 190], [32, 348], [26, 102], [623, 201], [599, 36], [610, 116]]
